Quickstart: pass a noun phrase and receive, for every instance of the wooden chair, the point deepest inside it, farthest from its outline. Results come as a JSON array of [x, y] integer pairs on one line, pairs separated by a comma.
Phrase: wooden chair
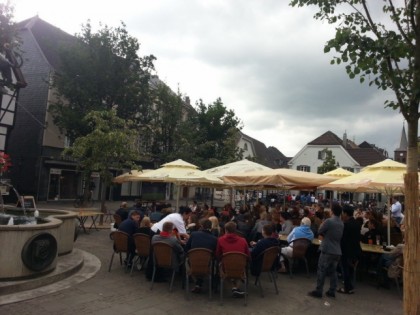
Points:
[[300, 246], [269, 257], [120, 246], [199, 263], [233, 265], [162, 258], [142, 242], [395, 272]]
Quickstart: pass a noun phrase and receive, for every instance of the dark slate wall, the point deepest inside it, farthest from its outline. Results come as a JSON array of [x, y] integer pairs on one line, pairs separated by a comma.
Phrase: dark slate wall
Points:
[[25, 140]]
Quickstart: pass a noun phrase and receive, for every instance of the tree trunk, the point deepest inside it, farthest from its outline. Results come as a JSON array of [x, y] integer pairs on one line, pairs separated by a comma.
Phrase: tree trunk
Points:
[[412, 226], [103, 198]]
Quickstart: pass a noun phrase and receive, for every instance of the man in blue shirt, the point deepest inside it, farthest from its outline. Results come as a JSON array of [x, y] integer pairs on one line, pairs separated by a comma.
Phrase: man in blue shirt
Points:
[[302, 231], [130, 226]]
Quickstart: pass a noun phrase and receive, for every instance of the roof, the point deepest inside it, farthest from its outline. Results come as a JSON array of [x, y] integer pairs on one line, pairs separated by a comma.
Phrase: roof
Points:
[[270, 157], [328, 138], [50, 38], [364, 153], [403, 142]]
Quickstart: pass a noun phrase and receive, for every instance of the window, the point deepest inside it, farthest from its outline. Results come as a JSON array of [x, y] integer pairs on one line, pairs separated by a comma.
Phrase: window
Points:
[[350, 169], [67, 142], [322, 154], [304, 168], [245, 146]]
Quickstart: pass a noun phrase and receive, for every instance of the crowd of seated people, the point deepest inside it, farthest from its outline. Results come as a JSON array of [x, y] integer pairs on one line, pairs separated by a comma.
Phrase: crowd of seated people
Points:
[[252, 224]]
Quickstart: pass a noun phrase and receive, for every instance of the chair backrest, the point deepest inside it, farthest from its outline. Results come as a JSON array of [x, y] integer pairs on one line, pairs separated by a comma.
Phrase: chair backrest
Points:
[[120, 241], [117, 219], [300, 246], [200, 261], [269, 256], [142, 242], [162, 253], [396, 238], [233, 265]]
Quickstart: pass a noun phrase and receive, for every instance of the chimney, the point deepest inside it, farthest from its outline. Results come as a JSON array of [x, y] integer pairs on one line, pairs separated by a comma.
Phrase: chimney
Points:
[[345, 139]]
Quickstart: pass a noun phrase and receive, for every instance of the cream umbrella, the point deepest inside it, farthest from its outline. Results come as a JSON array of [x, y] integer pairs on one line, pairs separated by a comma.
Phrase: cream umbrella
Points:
[[244, 166], [129, 176], [180, 173], [385, 177], [278, 178], [339, 173]]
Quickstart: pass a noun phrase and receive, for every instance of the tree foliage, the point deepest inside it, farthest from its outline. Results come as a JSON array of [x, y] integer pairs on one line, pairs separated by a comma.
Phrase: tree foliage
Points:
[[7, 25], [329, 163], [101, 71], [216, 131], [110, 143]]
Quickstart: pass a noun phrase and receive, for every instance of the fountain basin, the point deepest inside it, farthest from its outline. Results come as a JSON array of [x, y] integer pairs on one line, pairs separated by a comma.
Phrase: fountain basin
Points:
[[29, 250]]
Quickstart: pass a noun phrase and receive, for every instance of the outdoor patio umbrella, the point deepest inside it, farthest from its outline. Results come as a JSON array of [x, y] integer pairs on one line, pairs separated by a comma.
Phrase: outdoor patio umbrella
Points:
[[180, 173], [385, 177], [244, 166], [280, 178], [339, 172], [129, 176]]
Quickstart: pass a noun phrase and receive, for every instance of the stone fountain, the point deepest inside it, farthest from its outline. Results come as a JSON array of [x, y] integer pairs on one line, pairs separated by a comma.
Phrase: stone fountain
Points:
[[30, 245]]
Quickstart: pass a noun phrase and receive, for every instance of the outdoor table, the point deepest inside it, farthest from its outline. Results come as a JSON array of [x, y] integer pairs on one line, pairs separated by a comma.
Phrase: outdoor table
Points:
[[83, 215], [374, 249], [315, 241]]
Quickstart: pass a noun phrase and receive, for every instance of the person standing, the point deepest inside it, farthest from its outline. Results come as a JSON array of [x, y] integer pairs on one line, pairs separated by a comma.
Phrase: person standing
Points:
[[350, 248], [330, 232], [179, 220], [396, 211]]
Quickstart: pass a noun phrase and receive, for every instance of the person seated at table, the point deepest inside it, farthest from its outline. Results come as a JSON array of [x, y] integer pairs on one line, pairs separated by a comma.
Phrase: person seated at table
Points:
[[193, 223], [167, 236], [258, 247], [122, 211], [394, 257], [215, 227], [130, 226], [202, 238], [231, 242], [244, 225], [373, 233], [302, 231], [286, 223], [256, 233], [145, 226]]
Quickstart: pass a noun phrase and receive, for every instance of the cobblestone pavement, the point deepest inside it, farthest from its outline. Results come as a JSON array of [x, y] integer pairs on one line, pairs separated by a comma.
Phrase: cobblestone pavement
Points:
[[116, 292]]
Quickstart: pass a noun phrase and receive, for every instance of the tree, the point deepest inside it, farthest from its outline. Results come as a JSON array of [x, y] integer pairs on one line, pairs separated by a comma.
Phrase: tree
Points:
[[329, 162], [110, 143], [7, 26], [167, 116], [385, 53], [216, 129], [101, 71]]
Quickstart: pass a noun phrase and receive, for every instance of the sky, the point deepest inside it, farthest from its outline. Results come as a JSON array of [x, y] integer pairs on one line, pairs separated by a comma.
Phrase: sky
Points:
[[263, 58]]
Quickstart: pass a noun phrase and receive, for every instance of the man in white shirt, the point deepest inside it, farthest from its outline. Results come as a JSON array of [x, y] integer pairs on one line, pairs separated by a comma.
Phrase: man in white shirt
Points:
[[396, 210], [178, 220]]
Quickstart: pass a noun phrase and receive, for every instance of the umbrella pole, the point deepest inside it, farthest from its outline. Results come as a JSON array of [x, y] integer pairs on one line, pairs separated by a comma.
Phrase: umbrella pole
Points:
[[389, 220], [178, 190]]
